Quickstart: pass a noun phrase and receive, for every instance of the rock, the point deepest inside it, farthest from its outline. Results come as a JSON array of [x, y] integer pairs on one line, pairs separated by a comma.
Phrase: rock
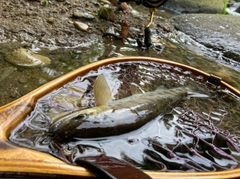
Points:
[[50, 20], [112, 31], [81, 26], [107, 13], [22, 80], [5, 72], [42, 81], [135, 14], [105, 1], [195, 6], [238, 10], [106, 6], [123, 6], [79, 14], [76, 13], [219, 32], [25, 58]]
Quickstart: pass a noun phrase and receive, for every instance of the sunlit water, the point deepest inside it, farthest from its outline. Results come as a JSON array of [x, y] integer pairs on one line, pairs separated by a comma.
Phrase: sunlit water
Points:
[[199, 132]]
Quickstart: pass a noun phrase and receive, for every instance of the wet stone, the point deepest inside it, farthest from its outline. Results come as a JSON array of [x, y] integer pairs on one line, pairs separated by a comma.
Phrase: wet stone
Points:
[[79, 14], [81, 26], [213, 31], [22, 80], [61, 40], [25, 58], [77, 51], [42, 81], [15, 94], [191, 6]]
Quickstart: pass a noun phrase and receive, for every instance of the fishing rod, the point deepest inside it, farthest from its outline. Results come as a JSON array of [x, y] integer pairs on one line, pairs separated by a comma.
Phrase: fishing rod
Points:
[[151, 4]]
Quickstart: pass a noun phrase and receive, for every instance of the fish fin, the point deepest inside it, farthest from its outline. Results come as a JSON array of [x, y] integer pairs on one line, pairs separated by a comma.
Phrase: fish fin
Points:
[[135, 89], [102, 92]]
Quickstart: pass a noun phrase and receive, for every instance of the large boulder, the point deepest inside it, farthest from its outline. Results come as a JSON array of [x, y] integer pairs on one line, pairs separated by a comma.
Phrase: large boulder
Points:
[[195, 6], [219, 32]]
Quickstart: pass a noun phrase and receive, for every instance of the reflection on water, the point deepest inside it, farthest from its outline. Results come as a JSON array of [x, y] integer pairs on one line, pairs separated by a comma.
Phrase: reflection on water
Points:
[[174, 47], [199, 132]]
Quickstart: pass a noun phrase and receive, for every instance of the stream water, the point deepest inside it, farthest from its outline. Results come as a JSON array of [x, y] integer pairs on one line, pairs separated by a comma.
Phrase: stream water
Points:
[[17, 81]]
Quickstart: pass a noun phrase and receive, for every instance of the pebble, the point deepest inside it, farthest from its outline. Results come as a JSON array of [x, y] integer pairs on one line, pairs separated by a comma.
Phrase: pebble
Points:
[[79, 14], [77, 51], [50, 20], [81, 26], [22, 80], [123, 6], [105, 1], [106, 6], [134, 29], [42, 81], [135, 13]]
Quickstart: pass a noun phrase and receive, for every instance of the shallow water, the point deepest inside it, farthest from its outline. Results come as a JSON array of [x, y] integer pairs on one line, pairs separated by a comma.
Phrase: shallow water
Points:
[[18, 81], [199, 133]]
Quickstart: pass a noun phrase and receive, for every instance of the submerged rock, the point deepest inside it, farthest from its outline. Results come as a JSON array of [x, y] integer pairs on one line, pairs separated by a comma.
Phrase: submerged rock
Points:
[[5, 72], [25, 58]]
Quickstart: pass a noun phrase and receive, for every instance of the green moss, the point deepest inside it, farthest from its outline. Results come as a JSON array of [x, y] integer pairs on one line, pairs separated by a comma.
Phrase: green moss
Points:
[[46, 2], [224, 11], [104, 11]]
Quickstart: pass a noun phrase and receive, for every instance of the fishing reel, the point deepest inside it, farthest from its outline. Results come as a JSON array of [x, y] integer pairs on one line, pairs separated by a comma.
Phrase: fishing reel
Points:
[[147, 3], [151, 4]]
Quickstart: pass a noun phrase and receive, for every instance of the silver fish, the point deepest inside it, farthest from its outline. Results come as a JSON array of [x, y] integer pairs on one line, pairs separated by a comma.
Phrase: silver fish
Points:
[[116, 117]]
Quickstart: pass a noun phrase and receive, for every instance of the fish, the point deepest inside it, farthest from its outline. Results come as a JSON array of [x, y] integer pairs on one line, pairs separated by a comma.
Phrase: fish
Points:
[[111, 118]]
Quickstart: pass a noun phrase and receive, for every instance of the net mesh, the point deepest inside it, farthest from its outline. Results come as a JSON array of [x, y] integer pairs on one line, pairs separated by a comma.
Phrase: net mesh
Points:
[[198, 134]]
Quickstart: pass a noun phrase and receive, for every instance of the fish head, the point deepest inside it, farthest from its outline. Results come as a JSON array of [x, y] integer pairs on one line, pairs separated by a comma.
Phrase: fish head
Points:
[[64, 129]]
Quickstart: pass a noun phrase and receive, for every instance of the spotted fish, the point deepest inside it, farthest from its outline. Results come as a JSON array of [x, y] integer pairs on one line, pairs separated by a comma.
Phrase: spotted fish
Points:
[[117, 117]]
